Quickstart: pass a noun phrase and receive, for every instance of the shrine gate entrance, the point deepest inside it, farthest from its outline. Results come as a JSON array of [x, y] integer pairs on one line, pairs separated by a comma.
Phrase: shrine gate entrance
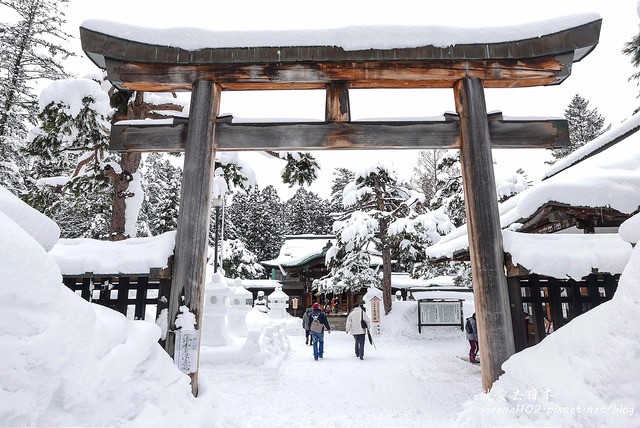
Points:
[[134, 61]]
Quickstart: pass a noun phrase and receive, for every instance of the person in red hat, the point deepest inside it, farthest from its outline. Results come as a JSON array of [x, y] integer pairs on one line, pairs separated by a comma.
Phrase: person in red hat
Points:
[[317, 323]]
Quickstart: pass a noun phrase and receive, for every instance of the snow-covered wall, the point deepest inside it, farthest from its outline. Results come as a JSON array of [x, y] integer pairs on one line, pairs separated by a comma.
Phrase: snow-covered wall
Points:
[[135, 255]]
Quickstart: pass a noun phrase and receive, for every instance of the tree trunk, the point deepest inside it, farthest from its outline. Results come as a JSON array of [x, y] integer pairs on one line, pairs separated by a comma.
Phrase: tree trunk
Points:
[[386, 279], [129, 163]]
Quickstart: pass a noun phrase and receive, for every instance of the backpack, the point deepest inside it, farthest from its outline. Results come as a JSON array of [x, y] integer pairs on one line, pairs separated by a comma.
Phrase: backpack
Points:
[[316, 326], [468, 327]]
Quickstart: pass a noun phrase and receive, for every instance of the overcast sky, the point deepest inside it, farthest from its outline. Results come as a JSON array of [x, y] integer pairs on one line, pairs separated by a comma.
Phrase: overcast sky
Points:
[[601, 78]]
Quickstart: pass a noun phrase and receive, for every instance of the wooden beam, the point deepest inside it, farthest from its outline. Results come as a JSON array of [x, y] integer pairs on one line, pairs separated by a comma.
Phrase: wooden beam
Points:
[[491, 295], [195, 204], [290, 136], [504, 73], [337, 107]]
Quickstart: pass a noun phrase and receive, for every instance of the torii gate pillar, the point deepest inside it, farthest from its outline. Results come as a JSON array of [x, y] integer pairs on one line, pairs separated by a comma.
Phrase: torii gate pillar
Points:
[[491, 296], [195, 205]]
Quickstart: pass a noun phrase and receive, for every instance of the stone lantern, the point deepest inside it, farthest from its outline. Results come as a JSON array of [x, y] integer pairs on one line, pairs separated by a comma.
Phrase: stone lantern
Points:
[[278, 303], [215, 331], [240, 304]]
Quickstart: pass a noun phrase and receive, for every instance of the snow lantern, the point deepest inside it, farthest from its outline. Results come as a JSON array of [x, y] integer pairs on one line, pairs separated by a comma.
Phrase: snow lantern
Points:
[[278, 303], [240, 305], [214, 324], [399, 296]]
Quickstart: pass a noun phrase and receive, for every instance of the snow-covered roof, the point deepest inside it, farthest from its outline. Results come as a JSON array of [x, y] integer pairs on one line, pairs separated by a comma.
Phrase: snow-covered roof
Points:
[[131, 256], [299, 249], [562, 256], [608, 179], [611, 137], [403, 280], [348, 38]]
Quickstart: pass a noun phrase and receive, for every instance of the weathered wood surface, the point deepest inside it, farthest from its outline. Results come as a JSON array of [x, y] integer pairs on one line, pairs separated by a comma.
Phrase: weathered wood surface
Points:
[[491, 294], [195, 204], [505, 133], [337, 107], [360, 75], [146, 67]]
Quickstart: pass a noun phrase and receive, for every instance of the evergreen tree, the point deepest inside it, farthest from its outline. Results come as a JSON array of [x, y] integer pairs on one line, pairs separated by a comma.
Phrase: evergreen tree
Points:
[[301, 168], [22, 63], [425, 177], [512, 185], [341, 177], [632, 48], [379, 199], [68, 157], [449, 194], [239, 262], [161, 183], [307, 213], [584, 126], [257, 220]]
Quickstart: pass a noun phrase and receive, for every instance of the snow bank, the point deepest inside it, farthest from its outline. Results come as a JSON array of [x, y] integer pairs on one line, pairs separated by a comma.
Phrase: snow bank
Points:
[[135, 255], [584, 374], [66, 362], [39, 226]]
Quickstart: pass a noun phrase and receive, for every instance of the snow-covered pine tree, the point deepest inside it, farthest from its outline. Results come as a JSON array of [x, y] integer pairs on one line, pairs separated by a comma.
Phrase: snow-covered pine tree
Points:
[[239, 262], [341, 177], [377, 194], [257, 219], [512, 184], [301, 168], [161, 183], [269, 218], [449, 190], [349, 260], [73, 136], [30, 50], [584, 126], [307, 213]]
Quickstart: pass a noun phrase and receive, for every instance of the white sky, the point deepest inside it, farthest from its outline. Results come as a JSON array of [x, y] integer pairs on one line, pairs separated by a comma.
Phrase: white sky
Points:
[[602, 77]]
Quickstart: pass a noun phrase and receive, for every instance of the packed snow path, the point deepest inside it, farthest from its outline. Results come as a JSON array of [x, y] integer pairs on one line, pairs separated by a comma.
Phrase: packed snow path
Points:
[[406, 382]]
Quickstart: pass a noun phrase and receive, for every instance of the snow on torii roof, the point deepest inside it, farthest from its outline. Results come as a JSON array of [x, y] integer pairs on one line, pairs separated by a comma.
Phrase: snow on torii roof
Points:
[[538, 53]]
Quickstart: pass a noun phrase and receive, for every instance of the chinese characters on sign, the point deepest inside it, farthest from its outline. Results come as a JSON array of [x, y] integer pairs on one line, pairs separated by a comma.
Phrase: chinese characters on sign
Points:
[[439, 312], [375, 314], [186, 351]]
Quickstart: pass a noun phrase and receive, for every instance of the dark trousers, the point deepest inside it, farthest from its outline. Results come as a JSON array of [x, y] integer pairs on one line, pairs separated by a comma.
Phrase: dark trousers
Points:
[[359, 338], [473, 349]]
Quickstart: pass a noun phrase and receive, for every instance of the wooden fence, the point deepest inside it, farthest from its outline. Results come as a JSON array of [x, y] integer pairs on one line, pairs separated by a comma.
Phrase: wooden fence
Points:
[[136, 296], [550, 303]]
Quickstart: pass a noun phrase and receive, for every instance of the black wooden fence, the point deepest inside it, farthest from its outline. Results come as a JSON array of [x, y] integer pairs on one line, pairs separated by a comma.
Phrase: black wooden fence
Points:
[[135, 296], [549, 303]]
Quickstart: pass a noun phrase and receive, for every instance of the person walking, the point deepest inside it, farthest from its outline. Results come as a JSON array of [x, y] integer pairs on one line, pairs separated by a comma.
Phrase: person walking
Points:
[[357, 324], [305, 325], [471, 328], [318, 322]]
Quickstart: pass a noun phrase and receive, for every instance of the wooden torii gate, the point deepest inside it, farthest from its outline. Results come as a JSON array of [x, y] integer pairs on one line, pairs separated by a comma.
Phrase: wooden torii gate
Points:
[[133, 64]]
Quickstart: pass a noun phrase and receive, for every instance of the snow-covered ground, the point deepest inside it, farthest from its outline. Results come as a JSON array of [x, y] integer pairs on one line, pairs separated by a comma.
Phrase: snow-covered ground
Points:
[[409, 380], [67, 362]]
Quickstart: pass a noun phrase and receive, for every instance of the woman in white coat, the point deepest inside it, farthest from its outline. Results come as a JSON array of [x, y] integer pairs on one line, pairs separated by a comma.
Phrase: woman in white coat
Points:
[[357, 324]]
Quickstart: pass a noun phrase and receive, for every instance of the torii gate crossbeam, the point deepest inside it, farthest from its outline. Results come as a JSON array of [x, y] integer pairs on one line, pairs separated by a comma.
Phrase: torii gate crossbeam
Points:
[[134, 62]]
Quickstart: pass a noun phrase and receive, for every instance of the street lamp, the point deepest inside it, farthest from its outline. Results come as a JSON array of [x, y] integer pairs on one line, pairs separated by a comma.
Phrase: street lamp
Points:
[[217, 204]]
